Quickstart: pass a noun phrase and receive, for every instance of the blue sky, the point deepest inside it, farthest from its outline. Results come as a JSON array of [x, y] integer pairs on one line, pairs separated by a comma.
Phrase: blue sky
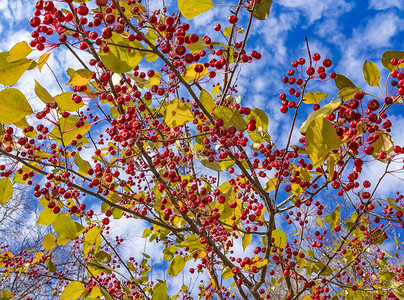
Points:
[[348, 32]]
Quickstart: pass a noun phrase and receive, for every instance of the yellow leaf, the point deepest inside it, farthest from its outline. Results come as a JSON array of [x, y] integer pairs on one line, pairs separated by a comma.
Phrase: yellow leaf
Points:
[[49, 242], [13, 106], [321, 139], [190, 75], [65, 102], [192, 8], [72, 291], [178, 113], [6, 190], [312, 98], [247, 238], [271, 184], [80, 77], [19, 51], [69, 129], [42, 60], [91, 237], [42, 93], [207, 100]]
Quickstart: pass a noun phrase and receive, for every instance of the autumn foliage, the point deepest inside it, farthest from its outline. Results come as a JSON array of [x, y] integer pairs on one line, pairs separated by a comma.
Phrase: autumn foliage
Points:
[[151, 130]]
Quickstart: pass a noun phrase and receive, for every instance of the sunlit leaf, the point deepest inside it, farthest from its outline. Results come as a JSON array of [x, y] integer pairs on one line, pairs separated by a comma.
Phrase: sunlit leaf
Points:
[[319, 221], [80, 77], [384, 144], [280, 238], [65, 102], [348, 93], [227, 273], [321, 139], [6, 190], [334, 219], [271, 184], [49, 242], [42, 60], [207, 100], [65, 226], [82, 164], [191, 8], [230, 117], [42, 93], [388, 56], [73, 291], [46, 217], [371, 73], [69, 129], [246, 240], [322, 112], [178, 113], [120, 59], [13, 106], [176, 266], [10, 72], [90, 238], [19, 51], [191, 75], [312, 98]]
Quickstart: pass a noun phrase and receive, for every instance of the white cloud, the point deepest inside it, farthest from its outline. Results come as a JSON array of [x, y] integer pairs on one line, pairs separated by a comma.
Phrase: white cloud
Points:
[[316, 9], [386, 4]]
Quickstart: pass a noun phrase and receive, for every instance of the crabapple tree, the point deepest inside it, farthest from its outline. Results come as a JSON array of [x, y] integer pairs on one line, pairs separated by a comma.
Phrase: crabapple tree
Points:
[[150, 129]]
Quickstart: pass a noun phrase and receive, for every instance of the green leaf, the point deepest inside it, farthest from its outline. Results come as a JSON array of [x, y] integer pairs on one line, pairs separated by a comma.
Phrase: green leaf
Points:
[[13, 106], [207, 100], [65, 102], [393, 204], [160, 291], [80, 77], [65, 227], [42, 60], [260, 135], [190, 75], [176, 266], [10, 72], [191, 8], [230, 116], [280, 238], [46, 217], [178, 113], [385, 144], [19, 51], [51, 266], [69, 129], [92, 236], [348, 93], [388, 56], [321, 139], [73, 291], [334, 219], [312, 98], [42, 93], [119, 59], [371, 73], [6, 190], [322, 112], [261, 11], [319, 221], [227, 30], [246, 240], [103, 257], [49, 242], [341, 82], [82, 164]]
